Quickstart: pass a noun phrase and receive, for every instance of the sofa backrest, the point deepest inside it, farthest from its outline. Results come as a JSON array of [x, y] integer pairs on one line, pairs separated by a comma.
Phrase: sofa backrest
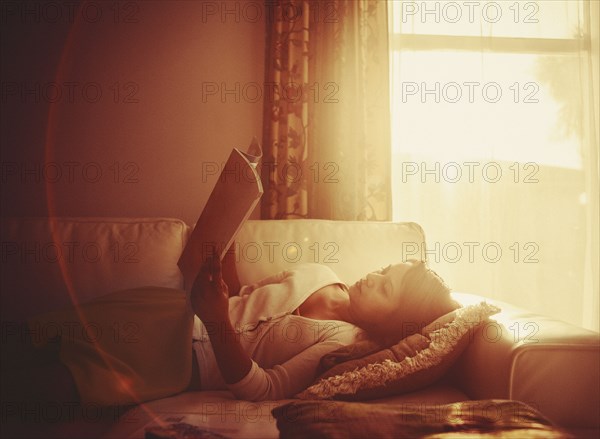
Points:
[[350, 248], [46, 264]]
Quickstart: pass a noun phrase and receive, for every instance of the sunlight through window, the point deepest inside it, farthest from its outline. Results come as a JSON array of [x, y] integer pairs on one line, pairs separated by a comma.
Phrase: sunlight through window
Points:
[[491, 135]]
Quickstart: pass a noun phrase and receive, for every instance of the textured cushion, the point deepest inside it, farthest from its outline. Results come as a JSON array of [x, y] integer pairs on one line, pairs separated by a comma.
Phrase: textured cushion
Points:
[[410, 364], [48, 264]]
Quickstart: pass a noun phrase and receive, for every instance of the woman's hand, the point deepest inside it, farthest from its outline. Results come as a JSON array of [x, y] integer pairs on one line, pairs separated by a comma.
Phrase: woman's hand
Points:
[[210, 302], [210, 295]]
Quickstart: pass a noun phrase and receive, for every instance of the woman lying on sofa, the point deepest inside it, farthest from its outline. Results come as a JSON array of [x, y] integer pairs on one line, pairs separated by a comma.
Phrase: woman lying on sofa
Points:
[[263, 344]]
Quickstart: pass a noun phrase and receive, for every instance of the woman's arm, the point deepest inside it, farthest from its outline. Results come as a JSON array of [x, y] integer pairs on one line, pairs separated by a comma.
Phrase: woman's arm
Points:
[[210, 302], [243, 375], [234, 363], [284, 380]]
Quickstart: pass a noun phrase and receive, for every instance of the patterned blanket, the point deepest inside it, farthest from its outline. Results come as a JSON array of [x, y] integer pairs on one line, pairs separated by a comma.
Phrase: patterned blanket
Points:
[[492, 418], [468, 419]]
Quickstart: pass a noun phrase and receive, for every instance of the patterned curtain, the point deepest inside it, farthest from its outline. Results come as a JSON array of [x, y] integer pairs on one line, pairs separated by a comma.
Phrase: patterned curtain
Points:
[[326, 128]]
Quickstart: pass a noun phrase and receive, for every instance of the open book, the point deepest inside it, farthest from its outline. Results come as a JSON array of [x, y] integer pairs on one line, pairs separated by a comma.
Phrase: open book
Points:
[[231, 202]]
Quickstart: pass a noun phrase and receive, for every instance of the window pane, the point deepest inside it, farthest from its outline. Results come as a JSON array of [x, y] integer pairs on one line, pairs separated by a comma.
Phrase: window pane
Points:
[[464, 105], [487, 158]]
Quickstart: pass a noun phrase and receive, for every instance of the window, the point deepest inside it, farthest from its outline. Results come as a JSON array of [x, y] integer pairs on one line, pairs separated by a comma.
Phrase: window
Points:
[[493, 146]]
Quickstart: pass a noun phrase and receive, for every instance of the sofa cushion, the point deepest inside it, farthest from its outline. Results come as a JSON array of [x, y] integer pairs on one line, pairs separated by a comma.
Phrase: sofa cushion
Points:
[[414, 362], [267, 247], [46, 264]]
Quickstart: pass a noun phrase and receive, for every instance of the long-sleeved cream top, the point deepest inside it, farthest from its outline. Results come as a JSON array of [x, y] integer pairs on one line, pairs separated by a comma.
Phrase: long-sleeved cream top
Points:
[[285, 348]]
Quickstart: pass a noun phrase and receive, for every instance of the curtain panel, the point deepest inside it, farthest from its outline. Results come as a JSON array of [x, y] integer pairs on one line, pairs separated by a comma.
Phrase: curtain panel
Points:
[[326, 130]]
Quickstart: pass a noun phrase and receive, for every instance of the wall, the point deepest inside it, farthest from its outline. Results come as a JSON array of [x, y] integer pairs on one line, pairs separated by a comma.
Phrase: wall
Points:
[[105, 106]]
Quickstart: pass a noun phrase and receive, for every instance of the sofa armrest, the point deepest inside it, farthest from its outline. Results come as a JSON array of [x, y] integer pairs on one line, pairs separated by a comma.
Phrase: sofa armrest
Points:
[[547, 363]]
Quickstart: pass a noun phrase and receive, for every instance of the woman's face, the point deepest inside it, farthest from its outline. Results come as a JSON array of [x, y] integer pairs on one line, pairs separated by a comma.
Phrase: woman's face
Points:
[[376, 294]]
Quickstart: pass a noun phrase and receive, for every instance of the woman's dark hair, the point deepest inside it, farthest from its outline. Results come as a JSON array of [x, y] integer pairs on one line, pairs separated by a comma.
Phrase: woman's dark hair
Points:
[[424, 297]]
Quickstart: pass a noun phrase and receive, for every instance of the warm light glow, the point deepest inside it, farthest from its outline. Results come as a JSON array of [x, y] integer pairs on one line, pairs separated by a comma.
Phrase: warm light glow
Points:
[[461, 105], [491, 146]]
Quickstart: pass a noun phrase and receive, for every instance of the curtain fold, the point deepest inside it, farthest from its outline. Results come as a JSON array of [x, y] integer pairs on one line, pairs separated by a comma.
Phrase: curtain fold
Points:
[[591, 141], [326, 131], [285, 116]]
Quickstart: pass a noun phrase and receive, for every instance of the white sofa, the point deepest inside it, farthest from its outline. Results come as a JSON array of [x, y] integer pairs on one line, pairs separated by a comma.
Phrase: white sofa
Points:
[[551, 365]]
